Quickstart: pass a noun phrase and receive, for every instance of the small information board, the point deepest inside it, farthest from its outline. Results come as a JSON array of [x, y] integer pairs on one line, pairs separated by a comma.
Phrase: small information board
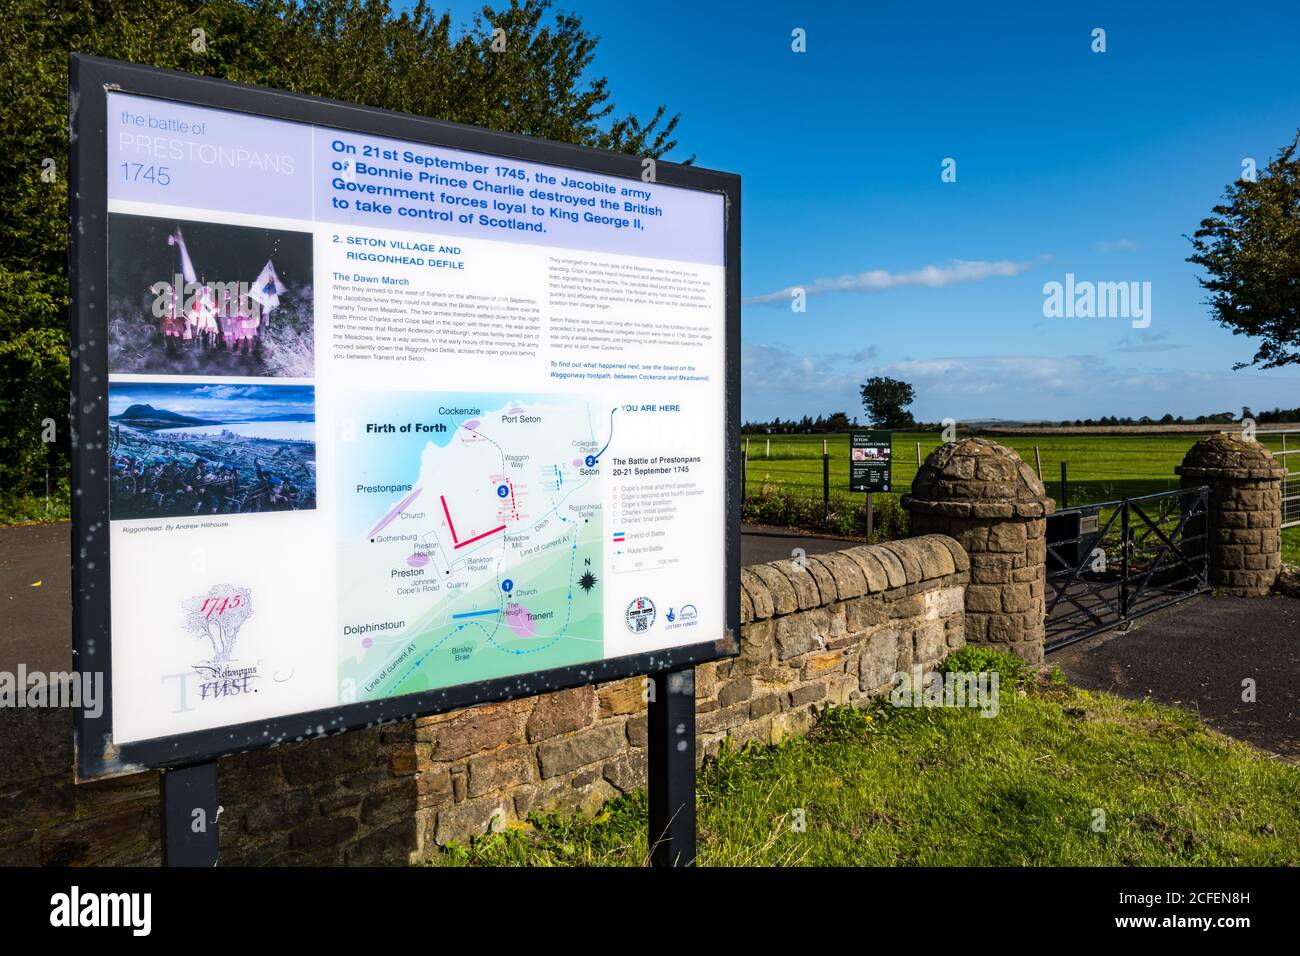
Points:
[[870, 457]]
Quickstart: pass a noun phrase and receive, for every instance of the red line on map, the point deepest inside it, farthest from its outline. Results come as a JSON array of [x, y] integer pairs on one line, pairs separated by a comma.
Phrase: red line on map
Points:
[[478, 537], [452, 527], [443, 499]]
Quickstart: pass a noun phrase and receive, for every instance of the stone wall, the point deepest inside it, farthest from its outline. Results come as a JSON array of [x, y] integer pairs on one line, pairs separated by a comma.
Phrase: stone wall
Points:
[[832, 629]]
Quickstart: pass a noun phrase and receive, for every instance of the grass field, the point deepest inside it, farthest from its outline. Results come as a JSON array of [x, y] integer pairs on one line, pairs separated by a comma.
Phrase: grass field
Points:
[[946, 787], [1099, 467]]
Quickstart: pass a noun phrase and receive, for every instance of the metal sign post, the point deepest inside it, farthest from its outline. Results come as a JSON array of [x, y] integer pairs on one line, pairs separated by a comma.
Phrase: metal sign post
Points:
[[826, 480], [671, 765], [190, 813]]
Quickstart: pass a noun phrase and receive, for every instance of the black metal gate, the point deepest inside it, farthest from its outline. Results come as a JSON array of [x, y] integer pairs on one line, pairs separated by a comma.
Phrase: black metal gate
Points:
[[1110, 562]]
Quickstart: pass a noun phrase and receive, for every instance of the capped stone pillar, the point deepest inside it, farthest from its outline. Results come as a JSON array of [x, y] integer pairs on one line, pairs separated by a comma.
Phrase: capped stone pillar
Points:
[[1245, 533], [982, 494]]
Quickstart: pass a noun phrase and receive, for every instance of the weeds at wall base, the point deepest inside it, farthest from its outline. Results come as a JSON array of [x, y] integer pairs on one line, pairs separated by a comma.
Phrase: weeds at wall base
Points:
[[773, 504]]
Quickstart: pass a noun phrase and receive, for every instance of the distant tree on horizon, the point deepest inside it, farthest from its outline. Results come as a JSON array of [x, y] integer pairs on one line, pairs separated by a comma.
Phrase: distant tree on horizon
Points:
[[886, 399]]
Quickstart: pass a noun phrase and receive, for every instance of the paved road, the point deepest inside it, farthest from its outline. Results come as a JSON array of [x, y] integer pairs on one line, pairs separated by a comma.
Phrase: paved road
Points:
[[760, 544], [1195, 655], [37, 621]]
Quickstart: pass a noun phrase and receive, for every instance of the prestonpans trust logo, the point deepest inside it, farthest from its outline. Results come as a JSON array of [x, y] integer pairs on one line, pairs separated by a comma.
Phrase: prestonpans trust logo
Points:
[[215, 619]]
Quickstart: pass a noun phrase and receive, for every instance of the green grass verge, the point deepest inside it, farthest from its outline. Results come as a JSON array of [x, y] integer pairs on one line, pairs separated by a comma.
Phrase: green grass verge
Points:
[[946, 787]]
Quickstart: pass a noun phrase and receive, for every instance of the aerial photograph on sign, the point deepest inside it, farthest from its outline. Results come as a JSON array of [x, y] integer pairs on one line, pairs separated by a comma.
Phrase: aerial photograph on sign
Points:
[[206, 298], [202, 449]]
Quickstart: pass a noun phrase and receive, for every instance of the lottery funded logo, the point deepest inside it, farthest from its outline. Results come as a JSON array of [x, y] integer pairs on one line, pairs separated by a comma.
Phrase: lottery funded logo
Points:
[[684, 616], [640, 615]]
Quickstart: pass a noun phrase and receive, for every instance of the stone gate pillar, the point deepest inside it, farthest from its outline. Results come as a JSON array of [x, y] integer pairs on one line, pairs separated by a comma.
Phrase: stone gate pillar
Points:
[[1245, 533], [982, 494]]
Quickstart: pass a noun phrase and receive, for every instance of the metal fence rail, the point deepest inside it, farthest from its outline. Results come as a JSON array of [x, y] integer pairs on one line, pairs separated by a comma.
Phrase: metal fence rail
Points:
[[1291, 481]]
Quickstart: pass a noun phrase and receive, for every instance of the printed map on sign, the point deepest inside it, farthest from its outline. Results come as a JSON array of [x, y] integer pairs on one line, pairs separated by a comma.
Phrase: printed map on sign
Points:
[[470, 539]]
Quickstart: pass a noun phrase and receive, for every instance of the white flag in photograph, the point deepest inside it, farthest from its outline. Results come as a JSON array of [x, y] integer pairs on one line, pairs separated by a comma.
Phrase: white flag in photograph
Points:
[[268, 288], [187, 267]]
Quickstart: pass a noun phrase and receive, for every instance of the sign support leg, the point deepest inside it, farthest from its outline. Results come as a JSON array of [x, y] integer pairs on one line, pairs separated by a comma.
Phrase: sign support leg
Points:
[[189, 811], [671, 759], [826, 481]]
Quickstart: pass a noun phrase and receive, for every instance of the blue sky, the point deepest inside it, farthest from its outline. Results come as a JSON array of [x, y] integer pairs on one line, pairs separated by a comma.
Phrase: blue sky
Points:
[[1067, 161]]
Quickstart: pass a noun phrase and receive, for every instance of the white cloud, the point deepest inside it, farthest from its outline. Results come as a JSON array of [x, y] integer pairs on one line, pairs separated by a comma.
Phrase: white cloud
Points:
[[776, 381], [957, 272], [226, 391]]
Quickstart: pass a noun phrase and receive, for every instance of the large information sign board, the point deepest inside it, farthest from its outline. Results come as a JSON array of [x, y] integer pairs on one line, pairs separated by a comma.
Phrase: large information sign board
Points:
[[378, 416], [870, 460]]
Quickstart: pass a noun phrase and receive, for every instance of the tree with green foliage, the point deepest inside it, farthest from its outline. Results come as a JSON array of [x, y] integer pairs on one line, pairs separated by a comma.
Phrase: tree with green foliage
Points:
[[886, 400], [1250, 248], [529, 81]]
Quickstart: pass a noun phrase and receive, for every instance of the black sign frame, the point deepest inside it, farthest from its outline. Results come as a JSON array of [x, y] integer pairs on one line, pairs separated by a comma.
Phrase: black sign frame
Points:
[[865, 475], [91, 79]]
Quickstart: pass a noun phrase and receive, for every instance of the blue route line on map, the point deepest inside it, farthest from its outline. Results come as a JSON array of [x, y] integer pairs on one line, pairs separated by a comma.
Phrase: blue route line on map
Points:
[[611, 433], [568, 613], [490, 635]]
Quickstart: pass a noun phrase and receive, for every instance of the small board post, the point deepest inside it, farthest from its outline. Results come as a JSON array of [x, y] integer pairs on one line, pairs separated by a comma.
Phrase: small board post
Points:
[[670, 724], [826, 481], [871, 455], [870, 460], [744, 472]]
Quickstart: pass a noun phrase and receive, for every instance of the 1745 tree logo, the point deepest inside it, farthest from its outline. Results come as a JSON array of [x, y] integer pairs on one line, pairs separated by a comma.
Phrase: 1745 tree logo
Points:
[[216, 618]]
